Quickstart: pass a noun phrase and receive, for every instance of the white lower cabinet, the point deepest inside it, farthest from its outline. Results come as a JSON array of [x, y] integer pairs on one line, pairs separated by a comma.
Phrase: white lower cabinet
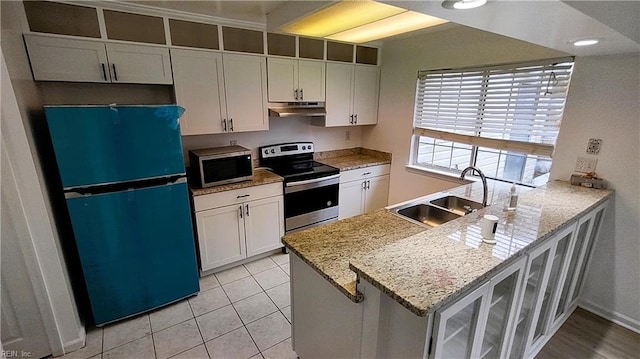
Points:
[[478, 325], [363, 190], [252, 224]]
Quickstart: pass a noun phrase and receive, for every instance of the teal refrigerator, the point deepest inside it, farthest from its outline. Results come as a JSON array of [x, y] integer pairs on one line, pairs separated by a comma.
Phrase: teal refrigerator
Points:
[[123, 175]]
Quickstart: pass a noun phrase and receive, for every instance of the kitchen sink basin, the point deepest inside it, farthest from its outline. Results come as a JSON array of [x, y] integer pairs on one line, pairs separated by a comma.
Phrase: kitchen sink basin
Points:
[[427, 214], [457, 204]]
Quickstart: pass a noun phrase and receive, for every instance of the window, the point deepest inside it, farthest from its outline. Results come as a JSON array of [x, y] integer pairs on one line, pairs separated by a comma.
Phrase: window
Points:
[[503, 119]]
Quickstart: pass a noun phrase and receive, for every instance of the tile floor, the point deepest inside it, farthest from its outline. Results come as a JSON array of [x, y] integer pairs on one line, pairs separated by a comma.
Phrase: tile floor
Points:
[[243, 312]]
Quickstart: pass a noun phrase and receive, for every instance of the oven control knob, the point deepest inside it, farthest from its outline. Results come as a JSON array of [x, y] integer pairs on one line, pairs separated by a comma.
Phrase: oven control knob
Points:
[[304, 148], [273, 150], [329, 203], [309, 147], [266, 152]]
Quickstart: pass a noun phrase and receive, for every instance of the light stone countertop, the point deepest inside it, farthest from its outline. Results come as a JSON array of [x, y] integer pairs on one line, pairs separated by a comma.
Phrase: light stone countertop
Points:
[[260, 177], [351, 159], [423, 268]]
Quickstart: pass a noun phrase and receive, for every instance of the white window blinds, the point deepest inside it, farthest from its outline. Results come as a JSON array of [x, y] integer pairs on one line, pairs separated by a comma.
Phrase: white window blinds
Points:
[[514, 107]]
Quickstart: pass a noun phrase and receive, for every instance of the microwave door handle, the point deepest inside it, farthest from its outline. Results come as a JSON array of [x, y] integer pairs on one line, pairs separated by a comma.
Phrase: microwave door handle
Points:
[[322, 179]]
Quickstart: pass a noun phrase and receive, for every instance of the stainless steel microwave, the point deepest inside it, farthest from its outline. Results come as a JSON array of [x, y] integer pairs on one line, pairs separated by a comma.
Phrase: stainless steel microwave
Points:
[[220, 165]]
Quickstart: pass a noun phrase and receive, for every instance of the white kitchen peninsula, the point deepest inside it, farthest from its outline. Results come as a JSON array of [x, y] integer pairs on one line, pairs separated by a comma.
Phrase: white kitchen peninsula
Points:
[[402, 286]]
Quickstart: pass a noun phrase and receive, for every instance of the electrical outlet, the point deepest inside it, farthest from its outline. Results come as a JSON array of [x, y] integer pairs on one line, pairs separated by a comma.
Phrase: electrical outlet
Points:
[[233, 142], [586, 165], [593, 147], [347, 135]]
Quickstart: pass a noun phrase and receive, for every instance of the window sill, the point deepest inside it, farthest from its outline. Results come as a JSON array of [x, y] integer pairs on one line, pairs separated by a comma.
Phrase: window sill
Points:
[[441, 175]]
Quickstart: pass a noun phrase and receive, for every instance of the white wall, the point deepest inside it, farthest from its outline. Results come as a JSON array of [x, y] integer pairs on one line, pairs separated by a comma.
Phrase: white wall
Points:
[[282, 130], [401, 60], [604, 102]]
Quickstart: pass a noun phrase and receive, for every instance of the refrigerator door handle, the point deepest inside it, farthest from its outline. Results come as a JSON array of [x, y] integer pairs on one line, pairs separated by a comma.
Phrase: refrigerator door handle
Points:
[[114, 187]]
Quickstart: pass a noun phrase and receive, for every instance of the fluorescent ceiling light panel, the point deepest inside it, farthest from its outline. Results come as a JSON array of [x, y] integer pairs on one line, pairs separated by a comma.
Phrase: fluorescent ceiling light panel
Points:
[[394, 25], [585, 42], [341, 16]]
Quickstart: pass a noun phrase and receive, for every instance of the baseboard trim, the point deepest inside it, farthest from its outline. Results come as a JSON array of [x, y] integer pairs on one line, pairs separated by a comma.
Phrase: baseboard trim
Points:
[[76, 343], [615, 317]]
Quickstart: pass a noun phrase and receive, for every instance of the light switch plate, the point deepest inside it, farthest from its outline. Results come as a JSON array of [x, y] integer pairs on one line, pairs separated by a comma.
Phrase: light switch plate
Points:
[[593, 148], [586, 165]]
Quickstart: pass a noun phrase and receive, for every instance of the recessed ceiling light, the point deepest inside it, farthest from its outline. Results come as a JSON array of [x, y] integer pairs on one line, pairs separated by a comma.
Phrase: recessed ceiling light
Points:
[[463, 4], [585, 42]]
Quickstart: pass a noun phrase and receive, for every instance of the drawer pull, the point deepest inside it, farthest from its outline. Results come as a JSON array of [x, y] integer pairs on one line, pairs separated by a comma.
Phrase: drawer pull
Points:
[[244, 196], [366, 173]]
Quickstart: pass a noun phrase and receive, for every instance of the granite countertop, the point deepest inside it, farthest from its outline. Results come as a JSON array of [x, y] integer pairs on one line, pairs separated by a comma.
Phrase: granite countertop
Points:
[[354, 158], [260, 177], [423, 268]]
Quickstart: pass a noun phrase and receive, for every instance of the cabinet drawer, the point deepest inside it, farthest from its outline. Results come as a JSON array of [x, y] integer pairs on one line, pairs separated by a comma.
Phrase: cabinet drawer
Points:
[[366, 172], [226, 198]]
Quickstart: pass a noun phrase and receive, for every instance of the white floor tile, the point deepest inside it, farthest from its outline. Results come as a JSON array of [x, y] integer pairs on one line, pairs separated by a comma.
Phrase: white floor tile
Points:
[[92, 347], [209, 282], [171, 315], [280, 258], [241, 289], [255, 307], [260, 265], [99, 356], [140, 349], [126, 331], [232, 274], [207, 301], [236, 344], [176, 339], [257, 356], [285, 268], [218, 322], [199, 352], [281, 295], [270, 330], [287, 313], [271, 278], [280, 351]]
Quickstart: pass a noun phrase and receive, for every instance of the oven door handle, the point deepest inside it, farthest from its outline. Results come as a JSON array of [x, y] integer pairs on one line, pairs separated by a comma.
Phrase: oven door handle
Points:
[[315, 180]]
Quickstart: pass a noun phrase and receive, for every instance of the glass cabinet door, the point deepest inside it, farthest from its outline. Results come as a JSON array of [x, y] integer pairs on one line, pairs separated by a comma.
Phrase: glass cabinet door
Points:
[[456, 326], [535, 279], [588, 246], [501, 312], [556, 276]]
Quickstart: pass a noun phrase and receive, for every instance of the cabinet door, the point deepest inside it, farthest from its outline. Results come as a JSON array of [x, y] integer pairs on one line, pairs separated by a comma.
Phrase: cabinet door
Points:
[[245, 80], [311, 80], [350, 199], [199, 88], [339, 94], [498, 325], [264, 225], [377, 193], [139, 64], [365, 95], [534, 281], [455, 328], [61, 59], [221, 236], [542, 313], [282, 79]]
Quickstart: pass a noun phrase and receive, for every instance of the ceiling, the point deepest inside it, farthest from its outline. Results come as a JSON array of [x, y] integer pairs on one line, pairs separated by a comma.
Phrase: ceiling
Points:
[[550, 23]]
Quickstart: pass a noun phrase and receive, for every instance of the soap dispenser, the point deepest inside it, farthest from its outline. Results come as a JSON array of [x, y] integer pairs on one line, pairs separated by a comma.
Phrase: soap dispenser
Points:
[[513, 199]]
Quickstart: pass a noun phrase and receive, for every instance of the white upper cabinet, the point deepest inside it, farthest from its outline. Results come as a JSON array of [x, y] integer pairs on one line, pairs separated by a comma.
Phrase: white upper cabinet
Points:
[[292, 80], [245, 79], [352, 94], [220, 92], [199, 88], [62, 59]]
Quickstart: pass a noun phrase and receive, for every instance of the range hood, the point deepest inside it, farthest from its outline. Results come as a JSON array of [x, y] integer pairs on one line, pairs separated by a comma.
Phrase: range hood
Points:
[[297, 109]]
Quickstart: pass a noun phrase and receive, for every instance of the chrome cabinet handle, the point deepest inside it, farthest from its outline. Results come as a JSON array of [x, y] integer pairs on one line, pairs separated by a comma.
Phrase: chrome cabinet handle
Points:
[[364, 185], [231, 124], [115, 74], [241, 212], [247, 207], [104, 72], [296, 93], [355, 119], [224, 124], [368, 184], [302, 94], [351, 119], [244, 196], [366, 173]]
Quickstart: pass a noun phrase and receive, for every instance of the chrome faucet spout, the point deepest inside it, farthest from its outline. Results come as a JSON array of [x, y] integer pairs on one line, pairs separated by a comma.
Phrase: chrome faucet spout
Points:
[[485, 187]]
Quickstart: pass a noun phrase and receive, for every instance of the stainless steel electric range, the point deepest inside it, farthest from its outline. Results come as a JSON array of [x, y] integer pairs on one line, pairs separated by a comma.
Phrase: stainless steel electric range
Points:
[[310, 187]]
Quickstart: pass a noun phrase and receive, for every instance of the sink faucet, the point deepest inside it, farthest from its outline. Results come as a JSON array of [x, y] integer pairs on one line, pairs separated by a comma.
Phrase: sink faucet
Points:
[[484, 182]]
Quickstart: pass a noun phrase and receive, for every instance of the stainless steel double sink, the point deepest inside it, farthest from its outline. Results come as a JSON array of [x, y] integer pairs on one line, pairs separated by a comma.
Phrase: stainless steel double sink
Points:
[[435, 210]]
